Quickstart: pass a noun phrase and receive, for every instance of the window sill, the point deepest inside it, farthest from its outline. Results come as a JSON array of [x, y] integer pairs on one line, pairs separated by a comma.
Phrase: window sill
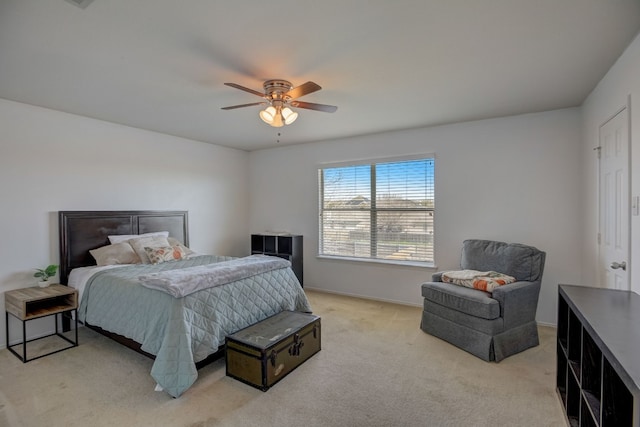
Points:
[[429, 265]]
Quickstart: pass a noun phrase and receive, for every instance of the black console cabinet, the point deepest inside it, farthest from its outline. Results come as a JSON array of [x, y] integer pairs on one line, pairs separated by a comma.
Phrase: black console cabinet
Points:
[[598, 356], [287, 246]]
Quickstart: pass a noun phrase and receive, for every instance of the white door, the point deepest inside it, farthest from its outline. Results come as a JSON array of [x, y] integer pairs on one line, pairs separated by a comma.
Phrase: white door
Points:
[[614, 203]]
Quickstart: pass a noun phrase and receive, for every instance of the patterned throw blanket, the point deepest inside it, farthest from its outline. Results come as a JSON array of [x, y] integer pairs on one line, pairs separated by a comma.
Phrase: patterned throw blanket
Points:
[[179, 283], [483, 280]]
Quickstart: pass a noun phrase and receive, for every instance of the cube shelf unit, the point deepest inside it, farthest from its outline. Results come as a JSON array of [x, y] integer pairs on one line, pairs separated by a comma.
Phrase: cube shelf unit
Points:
[[287, 246], [598, 349]]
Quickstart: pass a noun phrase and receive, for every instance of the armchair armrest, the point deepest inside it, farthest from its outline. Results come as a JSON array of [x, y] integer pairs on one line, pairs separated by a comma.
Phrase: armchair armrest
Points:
[[518, 302], [437, 276]]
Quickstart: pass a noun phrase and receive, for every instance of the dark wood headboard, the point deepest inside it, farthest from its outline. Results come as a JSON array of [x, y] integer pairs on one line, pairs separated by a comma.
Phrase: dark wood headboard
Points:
[[82, 231]]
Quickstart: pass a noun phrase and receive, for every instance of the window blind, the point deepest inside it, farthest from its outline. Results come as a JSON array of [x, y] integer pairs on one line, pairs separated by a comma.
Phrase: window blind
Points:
[[381, 210]]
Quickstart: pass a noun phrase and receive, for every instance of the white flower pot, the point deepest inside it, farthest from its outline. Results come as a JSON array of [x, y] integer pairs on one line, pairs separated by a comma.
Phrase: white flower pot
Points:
[[43, 284]]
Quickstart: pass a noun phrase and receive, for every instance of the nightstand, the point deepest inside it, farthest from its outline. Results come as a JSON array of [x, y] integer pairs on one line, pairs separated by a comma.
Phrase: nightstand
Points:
[[32, 303]]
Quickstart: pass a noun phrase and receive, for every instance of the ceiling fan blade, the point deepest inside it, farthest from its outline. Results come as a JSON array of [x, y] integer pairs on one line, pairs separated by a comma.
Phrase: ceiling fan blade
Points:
[[312, 106], [303, 89], [246, 89], [233, 107]]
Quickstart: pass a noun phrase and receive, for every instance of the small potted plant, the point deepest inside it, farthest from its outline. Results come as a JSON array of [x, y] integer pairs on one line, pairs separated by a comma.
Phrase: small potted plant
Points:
[[45, 274]]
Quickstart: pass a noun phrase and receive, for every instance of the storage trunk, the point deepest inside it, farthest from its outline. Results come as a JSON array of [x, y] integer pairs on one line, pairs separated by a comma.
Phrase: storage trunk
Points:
[[262, 354]]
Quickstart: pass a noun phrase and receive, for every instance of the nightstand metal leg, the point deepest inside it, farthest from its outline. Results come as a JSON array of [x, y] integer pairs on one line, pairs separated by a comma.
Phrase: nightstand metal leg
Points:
[[23, 356], [6, 324], [24, 341]]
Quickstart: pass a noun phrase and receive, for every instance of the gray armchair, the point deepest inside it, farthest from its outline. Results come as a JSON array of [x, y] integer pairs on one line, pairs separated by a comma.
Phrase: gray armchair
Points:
[[495, 325]]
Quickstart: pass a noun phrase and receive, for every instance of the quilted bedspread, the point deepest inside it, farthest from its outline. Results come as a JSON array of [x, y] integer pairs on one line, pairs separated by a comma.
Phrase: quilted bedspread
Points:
[[183, 331]]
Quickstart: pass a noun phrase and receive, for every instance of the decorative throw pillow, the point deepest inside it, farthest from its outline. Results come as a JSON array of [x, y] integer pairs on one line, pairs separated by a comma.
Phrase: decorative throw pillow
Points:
[[124, 237], [120, 253], [162, 254], [173, 242], [139, 244]]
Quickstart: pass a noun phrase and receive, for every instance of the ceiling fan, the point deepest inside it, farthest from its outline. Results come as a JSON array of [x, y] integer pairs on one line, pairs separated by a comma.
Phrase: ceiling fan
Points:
[[280, 96]]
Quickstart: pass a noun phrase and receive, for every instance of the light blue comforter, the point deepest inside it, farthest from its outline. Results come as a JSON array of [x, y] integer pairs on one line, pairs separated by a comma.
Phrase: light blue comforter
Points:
[[183, 331]]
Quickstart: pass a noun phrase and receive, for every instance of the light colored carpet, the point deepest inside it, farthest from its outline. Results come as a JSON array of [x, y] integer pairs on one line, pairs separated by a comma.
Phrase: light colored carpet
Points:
[[376, 368]]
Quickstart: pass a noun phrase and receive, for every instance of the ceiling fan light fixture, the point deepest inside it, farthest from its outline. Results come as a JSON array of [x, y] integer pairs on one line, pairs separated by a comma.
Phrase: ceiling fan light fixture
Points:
[[289, 115], [277, 119], [268, 114], [278, 116], [280, 95]]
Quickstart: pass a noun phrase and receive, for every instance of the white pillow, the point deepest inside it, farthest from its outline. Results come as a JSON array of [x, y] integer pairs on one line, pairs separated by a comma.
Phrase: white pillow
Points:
[[140, 243], [120, 253], [124, 237]]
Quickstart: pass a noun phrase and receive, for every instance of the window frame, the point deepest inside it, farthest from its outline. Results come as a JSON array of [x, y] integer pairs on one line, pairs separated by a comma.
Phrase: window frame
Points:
[[374, 210]]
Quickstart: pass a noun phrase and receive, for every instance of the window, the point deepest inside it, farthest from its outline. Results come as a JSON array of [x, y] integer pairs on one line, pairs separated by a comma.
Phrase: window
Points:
[[382, 210]]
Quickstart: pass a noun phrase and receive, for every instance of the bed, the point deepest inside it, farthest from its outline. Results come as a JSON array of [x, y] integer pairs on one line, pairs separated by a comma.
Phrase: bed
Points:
[[181, 333]]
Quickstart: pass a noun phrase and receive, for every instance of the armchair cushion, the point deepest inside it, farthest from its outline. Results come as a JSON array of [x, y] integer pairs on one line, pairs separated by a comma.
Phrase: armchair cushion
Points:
[[466, 300]]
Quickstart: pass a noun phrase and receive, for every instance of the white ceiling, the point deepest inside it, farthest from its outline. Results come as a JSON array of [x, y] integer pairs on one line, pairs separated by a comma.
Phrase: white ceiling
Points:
[[387, 65]]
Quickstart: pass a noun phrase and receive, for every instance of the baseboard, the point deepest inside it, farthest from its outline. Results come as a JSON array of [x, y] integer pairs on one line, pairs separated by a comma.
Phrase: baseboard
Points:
[[18, 340], [550, 325], [367, 297]]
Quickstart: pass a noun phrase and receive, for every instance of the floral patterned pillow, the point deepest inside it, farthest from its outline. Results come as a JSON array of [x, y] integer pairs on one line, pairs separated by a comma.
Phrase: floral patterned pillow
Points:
[[173, 241], [141, 243], [162, 254]]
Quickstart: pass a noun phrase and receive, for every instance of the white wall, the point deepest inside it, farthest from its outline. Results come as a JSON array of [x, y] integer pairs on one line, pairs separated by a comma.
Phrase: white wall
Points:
[[52, 161], [514, 179], [620, 84], [529, 178]]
